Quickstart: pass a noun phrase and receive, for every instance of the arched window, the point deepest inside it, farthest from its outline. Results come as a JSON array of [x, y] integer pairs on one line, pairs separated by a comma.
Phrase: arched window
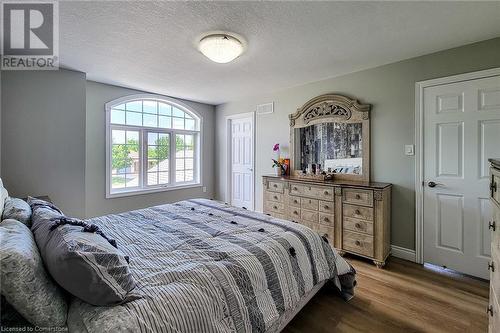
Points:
[[152, 144]]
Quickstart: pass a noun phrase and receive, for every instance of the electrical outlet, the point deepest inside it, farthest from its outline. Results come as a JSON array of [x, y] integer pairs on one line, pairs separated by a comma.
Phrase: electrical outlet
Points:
[[409, 150], [204, 189]]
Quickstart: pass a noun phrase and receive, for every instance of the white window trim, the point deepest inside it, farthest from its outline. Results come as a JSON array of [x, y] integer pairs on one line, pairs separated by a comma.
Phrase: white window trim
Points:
[[116, 193]]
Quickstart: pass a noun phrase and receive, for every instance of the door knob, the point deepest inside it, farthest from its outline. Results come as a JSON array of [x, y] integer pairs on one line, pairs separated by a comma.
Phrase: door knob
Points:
[[433, 184]]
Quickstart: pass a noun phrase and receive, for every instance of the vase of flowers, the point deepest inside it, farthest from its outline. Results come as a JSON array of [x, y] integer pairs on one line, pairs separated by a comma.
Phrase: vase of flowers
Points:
[[278, 163]]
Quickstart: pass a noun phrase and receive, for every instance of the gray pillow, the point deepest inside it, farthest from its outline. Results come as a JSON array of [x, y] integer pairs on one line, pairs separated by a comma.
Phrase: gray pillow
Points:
[[24, 282], [80, 257], [17, 209]]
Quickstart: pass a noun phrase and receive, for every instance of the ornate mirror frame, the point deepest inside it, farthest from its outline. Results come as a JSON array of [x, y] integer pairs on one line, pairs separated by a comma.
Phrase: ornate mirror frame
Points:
[[333, 108]]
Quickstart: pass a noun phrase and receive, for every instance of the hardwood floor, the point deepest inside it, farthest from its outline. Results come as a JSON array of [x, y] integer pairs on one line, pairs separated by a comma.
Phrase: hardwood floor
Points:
[[402, 297]]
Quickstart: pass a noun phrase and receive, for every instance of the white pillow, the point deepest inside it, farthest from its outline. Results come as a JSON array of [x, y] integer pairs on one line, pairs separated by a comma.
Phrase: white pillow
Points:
[[3, 196]]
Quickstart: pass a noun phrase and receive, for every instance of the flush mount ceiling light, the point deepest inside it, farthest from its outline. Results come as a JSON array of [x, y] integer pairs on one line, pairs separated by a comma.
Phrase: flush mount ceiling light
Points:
[[221, 47]]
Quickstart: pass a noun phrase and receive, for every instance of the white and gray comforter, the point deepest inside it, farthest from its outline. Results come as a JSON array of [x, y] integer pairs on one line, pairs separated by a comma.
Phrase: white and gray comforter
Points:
[[202, 266]]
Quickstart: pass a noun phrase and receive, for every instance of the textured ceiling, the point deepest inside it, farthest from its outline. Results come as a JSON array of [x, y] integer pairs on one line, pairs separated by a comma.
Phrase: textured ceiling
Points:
[[151, 45]]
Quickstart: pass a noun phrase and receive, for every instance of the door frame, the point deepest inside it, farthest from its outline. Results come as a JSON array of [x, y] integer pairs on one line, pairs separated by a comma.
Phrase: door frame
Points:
[[229, 150], [419, 144]]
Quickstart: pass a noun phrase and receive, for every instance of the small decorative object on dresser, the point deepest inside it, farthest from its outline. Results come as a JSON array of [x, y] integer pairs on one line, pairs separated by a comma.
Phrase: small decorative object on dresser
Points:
[[332, 132], [494, 266]]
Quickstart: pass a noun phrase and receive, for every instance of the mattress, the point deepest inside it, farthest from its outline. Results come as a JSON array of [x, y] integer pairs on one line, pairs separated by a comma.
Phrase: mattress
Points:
[[204, 266]]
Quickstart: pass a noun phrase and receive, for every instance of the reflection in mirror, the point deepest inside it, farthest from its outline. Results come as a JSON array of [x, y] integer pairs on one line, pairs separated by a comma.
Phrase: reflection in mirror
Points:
[[332, 147]]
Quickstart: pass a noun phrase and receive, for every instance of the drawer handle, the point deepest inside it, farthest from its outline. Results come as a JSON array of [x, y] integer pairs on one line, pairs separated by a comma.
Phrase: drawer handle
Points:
[[295, 212], [493, 187], [491, 225], [490, 310], [295, 201], [357, 212], [357, 225], [275, 185], [275, 197], [275, 207], [358, 243], [326, 219], [491, 266], [358, 196], [294, 189], [325, 235], [326, 207], [326, 192]]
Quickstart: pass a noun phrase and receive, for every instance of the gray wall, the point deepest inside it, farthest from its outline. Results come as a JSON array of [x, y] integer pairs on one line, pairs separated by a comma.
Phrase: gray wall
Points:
[[43, 136], [391, 91], [96, 203]]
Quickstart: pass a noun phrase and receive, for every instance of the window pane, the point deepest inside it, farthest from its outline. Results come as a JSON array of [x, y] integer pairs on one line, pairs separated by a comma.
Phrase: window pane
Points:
[[132, 180], [177, 113], [119, 107], [152, 165], [117, 136], [165, 122], [164, 109], [152, 178], [118, 181], [188, 164], [117, 117], [178, 123], [163, 178], [179, 176], [133, 137], [163, 165], [152, 152], [152, 138], [134, 106], [150, 107], [179, 164], [190, 124], [187, 116], [189, 140], [189, 175], [134, 118], [150, 120]]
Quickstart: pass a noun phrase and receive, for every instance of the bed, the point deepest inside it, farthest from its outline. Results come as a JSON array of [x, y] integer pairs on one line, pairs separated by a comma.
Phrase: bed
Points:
[[204, 266]]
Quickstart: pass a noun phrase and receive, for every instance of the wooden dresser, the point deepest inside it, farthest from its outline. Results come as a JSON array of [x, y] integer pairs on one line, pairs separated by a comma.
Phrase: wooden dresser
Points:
[[494, 266], [354, 216]]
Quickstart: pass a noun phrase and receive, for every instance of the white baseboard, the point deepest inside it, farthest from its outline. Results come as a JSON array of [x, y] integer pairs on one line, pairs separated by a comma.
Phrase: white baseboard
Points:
[[403, 253]]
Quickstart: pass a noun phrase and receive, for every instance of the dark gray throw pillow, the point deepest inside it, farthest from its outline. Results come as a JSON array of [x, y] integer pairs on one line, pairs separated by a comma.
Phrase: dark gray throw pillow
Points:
[[80, 257]]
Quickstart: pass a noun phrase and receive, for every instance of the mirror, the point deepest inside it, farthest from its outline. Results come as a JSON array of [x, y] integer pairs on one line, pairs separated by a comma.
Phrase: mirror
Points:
[[332, 147], [331, 133]]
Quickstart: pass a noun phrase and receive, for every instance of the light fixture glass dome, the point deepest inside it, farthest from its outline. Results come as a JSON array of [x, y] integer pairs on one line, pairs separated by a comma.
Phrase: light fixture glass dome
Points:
[[220, 48]]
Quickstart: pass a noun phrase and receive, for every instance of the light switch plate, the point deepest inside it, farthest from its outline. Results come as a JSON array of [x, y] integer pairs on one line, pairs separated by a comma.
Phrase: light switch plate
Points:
[[409, 150]]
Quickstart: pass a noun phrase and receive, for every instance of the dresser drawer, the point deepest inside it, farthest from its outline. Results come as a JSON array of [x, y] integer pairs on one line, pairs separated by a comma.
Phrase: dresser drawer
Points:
[[358, 197], [311, 204], [495, 187], [326, 219], [318, 192], [358, 243], [359, 212], [273, 196], [327, 232], [294, 201], [274, 207], [326, 207], [278, 216], [293, 214], [358, 225], [275, 186], [308, 215]]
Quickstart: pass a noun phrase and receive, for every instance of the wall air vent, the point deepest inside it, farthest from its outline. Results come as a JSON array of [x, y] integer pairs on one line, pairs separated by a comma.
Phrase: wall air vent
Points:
[[266, 108]]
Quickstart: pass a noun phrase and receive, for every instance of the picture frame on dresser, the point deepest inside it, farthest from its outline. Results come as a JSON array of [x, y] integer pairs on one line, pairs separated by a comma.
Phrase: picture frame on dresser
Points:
[[352, 213]]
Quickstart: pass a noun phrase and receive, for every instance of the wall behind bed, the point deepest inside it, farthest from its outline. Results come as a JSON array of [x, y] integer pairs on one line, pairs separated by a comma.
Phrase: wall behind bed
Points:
[[391, 91], [96, 203], [53, 142]]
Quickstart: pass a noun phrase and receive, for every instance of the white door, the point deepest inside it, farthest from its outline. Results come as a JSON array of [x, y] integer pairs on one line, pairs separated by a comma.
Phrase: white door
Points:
[[461, 131], [242, 154]]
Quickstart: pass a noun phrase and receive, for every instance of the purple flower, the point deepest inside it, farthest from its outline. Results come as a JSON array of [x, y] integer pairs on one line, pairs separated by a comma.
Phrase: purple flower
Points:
[[276, 147]]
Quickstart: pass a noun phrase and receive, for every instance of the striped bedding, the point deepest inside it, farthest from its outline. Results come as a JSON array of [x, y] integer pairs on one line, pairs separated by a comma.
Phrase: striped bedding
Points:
[[203, 266]]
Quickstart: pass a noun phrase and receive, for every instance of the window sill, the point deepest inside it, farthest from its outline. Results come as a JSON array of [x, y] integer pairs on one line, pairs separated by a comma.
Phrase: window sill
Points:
[[120, 194]]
